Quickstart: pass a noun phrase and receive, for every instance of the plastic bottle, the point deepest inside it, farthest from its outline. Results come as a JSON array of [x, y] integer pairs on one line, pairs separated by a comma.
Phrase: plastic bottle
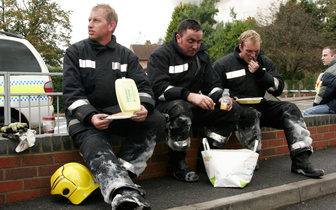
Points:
[[225, 99]]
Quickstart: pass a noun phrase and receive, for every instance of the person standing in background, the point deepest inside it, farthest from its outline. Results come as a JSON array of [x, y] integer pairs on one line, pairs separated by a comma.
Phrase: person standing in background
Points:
[[325, 98]]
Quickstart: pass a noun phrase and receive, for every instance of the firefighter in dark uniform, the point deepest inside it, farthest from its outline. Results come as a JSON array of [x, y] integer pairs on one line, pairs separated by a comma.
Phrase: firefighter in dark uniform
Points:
[[247, 72], [91, 67], [187, 91]]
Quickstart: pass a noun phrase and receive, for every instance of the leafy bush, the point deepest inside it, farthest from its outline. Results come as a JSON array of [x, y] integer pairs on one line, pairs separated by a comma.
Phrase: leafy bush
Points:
[[308, 82]]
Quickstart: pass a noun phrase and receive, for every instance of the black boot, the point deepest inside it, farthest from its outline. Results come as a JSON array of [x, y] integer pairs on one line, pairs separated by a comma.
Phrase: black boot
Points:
[[200, 163], [302, 165], [129, 199], [178, 166]]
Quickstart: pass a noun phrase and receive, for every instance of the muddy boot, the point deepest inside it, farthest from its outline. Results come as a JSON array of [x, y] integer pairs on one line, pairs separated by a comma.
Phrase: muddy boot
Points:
[[129, 199], [178, 166], [302, 165], [200, 163]]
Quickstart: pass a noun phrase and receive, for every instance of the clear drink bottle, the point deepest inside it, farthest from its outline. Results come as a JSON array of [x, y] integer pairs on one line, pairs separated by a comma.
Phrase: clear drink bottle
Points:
[[225, 99]]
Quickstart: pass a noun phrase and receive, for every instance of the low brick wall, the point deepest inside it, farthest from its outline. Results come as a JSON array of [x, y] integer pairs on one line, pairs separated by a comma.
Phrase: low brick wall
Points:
[[27, 175]]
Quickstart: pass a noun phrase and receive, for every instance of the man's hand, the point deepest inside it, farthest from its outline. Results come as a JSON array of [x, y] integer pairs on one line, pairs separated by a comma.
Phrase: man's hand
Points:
[[140, 115], [229, 105], [202, 101], [99, 122], [253, 66]]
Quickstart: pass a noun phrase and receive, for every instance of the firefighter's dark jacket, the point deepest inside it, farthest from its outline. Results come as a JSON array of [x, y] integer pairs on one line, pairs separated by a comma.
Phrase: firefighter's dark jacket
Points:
[[233, 71], [174, 75], [89, 73]]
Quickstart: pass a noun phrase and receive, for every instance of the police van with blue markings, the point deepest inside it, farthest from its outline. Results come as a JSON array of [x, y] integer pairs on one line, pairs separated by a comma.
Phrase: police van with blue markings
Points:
[[24, 63]]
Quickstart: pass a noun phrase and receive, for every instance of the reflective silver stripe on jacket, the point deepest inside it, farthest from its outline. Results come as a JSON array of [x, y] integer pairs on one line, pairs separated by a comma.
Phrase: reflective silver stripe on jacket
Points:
[[276, 85], [87, 64], [235, 74], [216, 137], [161, 97], [121, 67], [215, 90], [143, 94], [73, 122], [178, 69], [77, 104]]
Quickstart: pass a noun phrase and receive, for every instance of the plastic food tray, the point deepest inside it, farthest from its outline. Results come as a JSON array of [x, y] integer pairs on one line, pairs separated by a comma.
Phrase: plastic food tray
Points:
[[249, 100]]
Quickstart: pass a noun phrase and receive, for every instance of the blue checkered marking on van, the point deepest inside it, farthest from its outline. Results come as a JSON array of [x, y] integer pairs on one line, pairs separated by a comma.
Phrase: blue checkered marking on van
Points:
[[26, 98], [29, 82]]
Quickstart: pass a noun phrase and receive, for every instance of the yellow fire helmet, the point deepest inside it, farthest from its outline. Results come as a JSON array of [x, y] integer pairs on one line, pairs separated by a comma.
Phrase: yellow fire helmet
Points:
[[73, 181]]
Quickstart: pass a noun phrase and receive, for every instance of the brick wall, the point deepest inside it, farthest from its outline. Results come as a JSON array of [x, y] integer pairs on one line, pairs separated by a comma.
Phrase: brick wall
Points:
[[27, 175]]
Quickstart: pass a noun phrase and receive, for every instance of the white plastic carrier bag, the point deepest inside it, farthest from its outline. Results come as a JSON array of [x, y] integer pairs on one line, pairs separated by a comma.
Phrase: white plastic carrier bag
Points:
[[229, 167]]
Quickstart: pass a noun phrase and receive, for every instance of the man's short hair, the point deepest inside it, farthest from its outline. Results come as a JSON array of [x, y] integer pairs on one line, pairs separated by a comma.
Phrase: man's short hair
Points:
[[188, 24], [332, 49], [110, 13], [251, 36]]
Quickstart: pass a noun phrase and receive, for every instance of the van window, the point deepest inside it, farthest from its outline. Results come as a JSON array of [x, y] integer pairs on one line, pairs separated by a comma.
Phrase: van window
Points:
[[16, 57]]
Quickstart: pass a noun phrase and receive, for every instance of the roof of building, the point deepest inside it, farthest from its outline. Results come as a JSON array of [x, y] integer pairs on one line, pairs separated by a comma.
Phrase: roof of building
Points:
[[143, 51]]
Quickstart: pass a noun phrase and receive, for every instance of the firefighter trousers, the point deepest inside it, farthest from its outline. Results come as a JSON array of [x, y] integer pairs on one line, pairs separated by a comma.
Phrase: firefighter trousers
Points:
[[112, 171], [275, 114], [181, 115]]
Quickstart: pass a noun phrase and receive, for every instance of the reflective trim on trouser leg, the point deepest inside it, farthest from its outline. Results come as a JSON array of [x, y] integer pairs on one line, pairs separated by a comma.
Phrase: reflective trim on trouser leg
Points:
[[297, 134], [138, 164], [179, 145], [218, 140], [128, 166]]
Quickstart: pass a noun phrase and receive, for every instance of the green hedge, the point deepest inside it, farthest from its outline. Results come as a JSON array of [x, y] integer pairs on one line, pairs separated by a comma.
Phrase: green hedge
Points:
[[307, 83]]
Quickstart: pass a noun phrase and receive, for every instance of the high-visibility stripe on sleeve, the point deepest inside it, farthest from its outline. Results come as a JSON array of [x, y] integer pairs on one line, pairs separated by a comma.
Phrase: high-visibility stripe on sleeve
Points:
[[77, 104], [162, 98]]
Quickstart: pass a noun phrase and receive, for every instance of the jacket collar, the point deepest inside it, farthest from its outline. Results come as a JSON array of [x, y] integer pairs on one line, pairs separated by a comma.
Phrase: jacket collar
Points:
[[112, 44]]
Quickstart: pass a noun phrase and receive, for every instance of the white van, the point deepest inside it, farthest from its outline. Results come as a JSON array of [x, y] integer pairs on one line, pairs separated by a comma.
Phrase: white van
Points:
[[18, 55]]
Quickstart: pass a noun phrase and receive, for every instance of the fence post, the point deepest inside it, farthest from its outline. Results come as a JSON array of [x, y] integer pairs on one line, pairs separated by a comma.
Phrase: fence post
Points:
[[7, 110]]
